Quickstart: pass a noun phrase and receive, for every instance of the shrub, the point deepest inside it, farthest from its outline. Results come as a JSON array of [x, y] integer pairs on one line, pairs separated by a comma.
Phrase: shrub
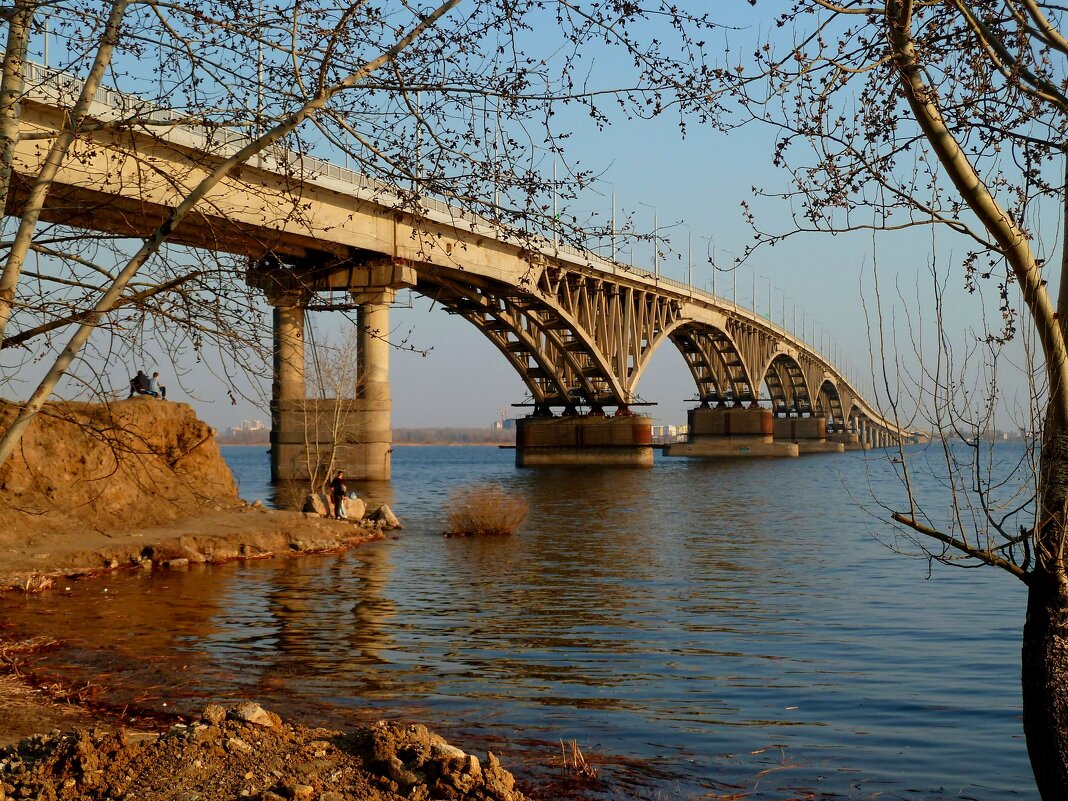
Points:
[[484, 509]]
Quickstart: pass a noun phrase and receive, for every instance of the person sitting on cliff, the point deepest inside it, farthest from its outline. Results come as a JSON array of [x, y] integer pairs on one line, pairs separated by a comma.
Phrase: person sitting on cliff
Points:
[[139, 385], [337, 494], [155, 388]]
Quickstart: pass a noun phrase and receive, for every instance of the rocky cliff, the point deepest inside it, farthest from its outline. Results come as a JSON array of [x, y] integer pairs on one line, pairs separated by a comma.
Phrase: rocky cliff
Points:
[[127, 464]]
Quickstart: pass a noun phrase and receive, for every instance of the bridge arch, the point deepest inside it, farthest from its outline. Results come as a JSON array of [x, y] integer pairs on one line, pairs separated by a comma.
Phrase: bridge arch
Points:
[[829, 403], [786, 384], [855, 414], [715, 362], [557, 358]]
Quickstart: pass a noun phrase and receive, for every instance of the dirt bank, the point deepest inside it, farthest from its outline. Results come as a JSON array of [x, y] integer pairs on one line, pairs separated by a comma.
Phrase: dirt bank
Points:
[[247, 752], [106, 467], [135, 483]]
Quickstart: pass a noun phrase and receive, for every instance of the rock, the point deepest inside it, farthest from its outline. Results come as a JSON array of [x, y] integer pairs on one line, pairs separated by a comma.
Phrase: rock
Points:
[[331, 796], [176, 563], [237, 744], [213, 714], [355, 509], [301, 792], [397, 771], [257, 504], [249, 712], [498, 780], [443, 751], [384, 515], [316, 502]]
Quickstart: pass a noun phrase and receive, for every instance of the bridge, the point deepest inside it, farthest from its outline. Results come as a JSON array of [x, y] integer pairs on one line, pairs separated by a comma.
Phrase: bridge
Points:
[[579, 330]]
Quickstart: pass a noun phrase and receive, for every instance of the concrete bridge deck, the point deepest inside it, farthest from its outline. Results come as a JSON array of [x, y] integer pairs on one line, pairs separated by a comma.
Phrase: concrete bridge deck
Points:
[[580, 330]]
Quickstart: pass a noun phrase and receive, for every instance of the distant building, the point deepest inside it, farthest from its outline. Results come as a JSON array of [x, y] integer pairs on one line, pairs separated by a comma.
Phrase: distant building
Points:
[[249, 432], [667, 433]]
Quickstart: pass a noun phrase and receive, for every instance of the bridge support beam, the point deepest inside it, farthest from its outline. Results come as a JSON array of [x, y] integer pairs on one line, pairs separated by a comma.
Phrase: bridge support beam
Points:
[[591, 440], [808, 433], [731, 432]]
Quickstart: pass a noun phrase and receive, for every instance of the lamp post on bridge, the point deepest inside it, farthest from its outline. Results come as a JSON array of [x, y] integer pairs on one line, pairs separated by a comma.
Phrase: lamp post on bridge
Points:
[[689, 254], [710, 254], [656, 240], [765, 278], [612, 230], [689, 257], [556, 210]]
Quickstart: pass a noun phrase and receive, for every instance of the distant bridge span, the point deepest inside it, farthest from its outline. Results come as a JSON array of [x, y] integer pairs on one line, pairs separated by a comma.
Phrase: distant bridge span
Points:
[[579, 330]]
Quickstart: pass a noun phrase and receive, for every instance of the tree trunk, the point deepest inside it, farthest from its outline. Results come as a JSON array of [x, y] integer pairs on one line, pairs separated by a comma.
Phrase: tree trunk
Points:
[[1044, 670], [1045, 684]]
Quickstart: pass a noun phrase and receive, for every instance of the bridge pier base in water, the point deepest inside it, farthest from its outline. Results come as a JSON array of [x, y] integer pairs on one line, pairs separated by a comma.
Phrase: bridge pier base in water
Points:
[[848, 440], [808, 433], [584, 440], [731, 432]]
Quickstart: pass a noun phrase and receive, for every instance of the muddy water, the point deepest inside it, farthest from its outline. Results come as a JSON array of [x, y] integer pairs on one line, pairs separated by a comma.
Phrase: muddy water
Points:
[[704, 630]]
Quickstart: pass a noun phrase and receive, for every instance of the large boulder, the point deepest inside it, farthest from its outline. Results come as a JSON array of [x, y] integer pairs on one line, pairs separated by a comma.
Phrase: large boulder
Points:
[[355, 509], [317, 503], [384, 518]]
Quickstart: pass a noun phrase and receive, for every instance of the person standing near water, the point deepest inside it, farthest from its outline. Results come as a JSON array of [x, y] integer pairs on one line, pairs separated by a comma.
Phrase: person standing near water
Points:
[[337, 494]]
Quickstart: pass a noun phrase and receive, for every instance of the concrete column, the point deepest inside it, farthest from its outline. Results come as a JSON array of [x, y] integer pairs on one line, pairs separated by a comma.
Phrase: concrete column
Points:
[[288, 454], [288, 353], [372, 319], [367, 455], [863, 433]]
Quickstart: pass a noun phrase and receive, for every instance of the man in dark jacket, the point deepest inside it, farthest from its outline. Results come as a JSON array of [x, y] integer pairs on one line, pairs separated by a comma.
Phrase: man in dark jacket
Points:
[[337, 493]]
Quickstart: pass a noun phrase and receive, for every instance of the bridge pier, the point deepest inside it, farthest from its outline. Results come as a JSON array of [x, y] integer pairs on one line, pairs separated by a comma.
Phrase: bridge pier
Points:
[[624, 441], [731, 432], [808, 433], [355, 431], [847, 439]]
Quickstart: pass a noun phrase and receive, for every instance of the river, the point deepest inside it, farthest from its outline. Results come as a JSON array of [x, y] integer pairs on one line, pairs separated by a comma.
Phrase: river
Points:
[[724, 629]]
